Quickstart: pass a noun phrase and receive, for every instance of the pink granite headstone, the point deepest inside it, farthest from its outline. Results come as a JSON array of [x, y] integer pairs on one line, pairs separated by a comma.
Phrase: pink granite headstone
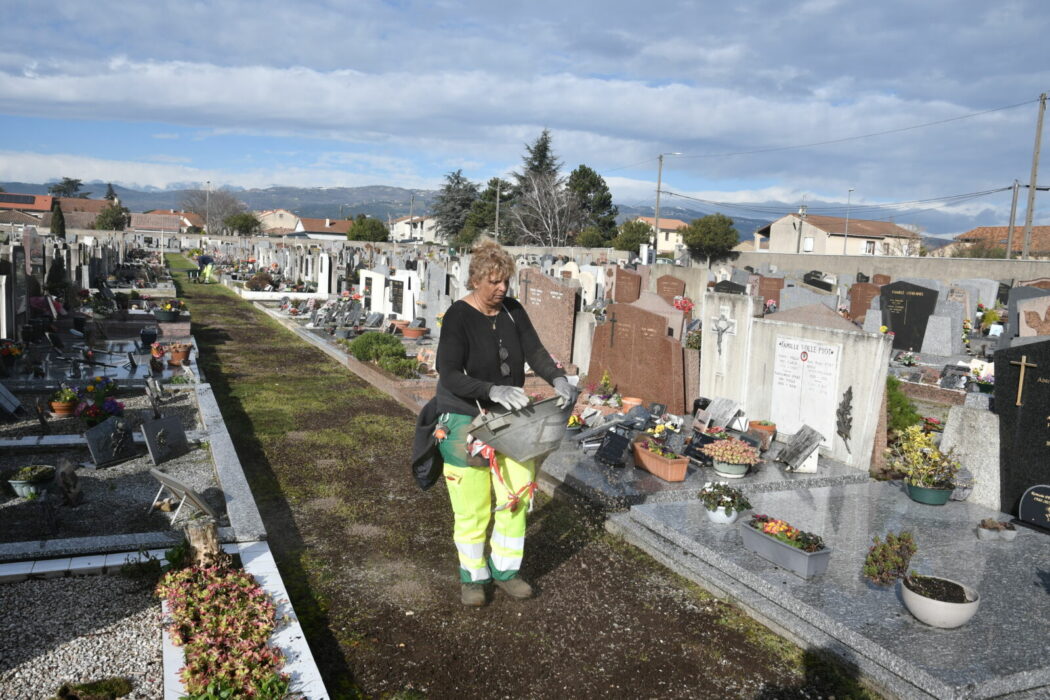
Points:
[[551, 305]]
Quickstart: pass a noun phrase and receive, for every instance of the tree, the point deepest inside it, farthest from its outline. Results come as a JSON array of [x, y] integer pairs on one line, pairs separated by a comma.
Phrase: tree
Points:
[[368, 229], [595, 200], [591, 237], [632, 235], [243, 223], [68, 187], [710, 237], [453, 204], [111, 194], [112, 218], [482, 215], [539, 159], [214, 207], [58, 220], [545, 212]]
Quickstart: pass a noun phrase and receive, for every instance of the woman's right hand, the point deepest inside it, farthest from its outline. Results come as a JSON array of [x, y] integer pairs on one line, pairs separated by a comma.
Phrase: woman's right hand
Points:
[[510, 397]]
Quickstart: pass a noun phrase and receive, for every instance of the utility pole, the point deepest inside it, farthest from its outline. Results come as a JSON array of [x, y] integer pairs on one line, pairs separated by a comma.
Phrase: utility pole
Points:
[[498, 187], [207, 208], [1013, 219], [656, 211], [1032, 181], [801, 226], [845, 236]]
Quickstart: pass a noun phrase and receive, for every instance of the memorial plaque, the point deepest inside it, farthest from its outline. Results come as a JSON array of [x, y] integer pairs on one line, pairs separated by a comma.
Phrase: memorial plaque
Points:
[[614, 448], [881, 279], [182, 492], [165, 439], [374, 320], [397, 295], [906, 309], [111, 442], [861, 277], [1022, 400], [154, 402], [156, 388], [805, 378], [727, 287], [805, 441], [860, 296], [722, 412], [1034, 508]]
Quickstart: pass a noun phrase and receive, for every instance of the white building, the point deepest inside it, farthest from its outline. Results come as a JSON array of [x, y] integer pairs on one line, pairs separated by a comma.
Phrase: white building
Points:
[[417, 229], [668, 240], [828, 235]]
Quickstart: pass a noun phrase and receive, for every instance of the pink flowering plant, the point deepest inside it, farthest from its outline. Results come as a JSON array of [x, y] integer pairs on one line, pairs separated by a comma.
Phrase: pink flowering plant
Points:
[[732, 451], [224, 620]]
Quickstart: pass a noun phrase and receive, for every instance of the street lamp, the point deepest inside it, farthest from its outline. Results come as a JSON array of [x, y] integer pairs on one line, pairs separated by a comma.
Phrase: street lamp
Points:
[[656, 212], [845, 237]]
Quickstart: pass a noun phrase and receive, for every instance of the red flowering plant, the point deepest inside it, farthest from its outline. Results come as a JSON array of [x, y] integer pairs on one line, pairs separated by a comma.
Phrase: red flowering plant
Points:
[[932, 425], [683, 304], [224, 620], [778, 529]]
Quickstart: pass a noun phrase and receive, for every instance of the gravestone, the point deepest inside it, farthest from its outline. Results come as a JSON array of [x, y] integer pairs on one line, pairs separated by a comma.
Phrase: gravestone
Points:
[[629, 334], [551, 305], [769, 288], [815, 278], [12, 408], [627, 286], [801, 454], [906, 309], [1022, 400], [860, 296], [668, 287], [727, 287], [1017, 295], [1041, 282], [111, 442], [740, 276], [1034, 508], [374, 320], [165, 439], [796, 297], [982, 291], [1033, 317], [805, 378], [879, 279]]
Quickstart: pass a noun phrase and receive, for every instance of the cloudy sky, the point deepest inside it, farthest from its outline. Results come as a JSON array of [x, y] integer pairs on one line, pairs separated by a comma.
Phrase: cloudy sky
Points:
[[763, 98]]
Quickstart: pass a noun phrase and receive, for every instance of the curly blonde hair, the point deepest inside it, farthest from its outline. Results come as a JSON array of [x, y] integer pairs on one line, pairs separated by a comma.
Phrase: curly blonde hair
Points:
[[486, 258]]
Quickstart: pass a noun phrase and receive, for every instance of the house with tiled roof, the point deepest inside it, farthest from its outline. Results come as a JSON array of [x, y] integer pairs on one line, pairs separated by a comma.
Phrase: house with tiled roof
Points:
[[154, 224], [37, 204], [322, 229], [832, 235], [276, 222], [417, 229], [74, 220], [187, 219], [668, 239], [81, 204], [997, 237]]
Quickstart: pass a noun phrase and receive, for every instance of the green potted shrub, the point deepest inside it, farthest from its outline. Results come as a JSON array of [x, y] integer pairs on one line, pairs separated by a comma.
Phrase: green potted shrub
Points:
[[30, 481], [724, 503], [929, 474], [938, 602]]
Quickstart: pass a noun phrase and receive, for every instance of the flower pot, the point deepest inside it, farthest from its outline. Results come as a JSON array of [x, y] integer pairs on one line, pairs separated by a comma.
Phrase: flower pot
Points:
[[412, 333], [718, 516], [729, 470], [930, 497], [401, 325], [938, 613], [63, 408], [629, 402], [28, 489], [179, 357], [166, 316], [767, 432], [663, 467], [797, 561], [986, 388]]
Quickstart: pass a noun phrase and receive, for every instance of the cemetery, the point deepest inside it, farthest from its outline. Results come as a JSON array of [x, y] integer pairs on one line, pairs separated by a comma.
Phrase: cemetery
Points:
[[833, 409]]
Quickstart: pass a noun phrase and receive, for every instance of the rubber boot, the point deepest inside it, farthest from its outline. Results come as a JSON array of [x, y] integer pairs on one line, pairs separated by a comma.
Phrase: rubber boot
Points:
[[472, 594], [515, 587]]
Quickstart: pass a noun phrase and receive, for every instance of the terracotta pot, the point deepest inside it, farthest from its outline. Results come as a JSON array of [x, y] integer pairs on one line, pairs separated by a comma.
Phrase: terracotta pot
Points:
[[401, 325], [414, 332], [629, 402], [63, 408], [179, 357], [663, 467]]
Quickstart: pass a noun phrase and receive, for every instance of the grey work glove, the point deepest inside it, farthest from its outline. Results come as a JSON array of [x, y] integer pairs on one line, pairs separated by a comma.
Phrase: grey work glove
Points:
[[566, 392], [510, 397]]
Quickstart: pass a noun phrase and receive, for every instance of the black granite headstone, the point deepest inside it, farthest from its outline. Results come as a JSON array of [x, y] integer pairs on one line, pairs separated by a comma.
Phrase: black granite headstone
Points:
[[613, 450], [815, 278], [1022, 400], [727, 287], [111, 442], [906, 309], [1034, 508]]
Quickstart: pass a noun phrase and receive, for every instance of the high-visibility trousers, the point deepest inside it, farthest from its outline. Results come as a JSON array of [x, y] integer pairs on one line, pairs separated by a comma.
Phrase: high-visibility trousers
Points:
[[470, 491]]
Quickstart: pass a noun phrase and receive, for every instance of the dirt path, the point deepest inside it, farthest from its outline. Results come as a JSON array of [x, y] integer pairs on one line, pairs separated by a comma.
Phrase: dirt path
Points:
[[370, 564]]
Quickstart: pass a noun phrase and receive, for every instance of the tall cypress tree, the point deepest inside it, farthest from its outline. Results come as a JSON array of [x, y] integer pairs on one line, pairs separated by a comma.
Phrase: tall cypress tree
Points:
[[58, 219]]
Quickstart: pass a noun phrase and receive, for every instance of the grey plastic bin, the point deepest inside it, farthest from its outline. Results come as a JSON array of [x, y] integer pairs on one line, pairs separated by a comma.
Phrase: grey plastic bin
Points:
[[526, 433]]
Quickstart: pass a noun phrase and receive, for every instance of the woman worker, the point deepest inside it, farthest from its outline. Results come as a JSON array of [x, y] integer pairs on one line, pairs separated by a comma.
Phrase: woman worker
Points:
[[486, 339]]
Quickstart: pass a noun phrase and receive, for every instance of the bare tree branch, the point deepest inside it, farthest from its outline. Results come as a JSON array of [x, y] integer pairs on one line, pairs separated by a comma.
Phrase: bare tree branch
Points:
[[546, 212]]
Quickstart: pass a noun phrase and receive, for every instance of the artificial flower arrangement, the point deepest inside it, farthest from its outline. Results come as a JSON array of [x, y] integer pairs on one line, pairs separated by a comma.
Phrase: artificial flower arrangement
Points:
[[157, 350], [575, 420], [9, 348], [604, 394], [780, 530], [683, 304], [173, 305], [985, 379], [915, 457], [908, 359], [719, 494], [732, 451], [717, 432], [932, 425]]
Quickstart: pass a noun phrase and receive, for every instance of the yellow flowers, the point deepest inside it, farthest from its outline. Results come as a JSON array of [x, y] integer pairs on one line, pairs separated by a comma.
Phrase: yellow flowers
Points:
[[89, 387]]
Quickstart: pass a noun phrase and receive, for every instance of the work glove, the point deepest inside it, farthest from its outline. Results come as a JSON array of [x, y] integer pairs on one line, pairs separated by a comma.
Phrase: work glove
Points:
[[566, 392], [510, 397]]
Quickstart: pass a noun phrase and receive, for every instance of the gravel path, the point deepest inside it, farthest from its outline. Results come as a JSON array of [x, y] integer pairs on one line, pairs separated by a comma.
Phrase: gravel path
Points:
[[79, 629]]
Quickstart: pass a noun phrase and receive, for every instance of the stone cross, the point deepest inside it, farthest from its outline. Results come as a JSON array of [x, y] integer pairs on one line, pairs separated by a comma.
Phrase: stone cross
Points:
[[722, 325], [1024, 363], [612, 329]]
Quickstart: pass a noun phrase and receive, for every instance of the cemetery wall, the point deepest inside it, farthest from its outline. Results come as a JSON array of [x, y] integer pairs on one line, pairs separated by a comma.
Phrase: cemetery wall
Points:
[[942, 269]]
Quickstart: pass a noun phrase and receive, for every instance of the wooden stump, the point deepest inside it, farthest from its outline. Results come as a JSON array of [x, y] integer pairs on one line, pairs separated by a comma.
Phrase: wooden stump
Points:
[[203, 537]]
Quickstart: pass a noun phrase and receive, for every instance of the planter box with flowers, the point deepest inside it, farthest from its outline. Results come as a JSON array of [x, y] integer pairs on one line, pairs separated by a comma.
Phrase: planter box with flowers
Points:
[[802, 553], [653, 457], [731, 457], [169, 311]]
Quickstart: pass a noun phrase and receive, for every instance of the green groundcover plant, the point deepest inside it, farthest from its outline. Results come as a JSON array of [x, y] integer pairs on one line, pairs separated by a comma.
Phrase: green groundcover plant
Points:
[[224, 620]]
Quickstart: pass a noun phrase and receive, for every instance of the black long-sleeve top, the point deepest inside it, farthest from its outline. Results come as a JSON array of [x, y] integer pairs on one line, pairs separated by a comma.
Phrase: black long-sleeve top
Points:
[[470, 340]]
